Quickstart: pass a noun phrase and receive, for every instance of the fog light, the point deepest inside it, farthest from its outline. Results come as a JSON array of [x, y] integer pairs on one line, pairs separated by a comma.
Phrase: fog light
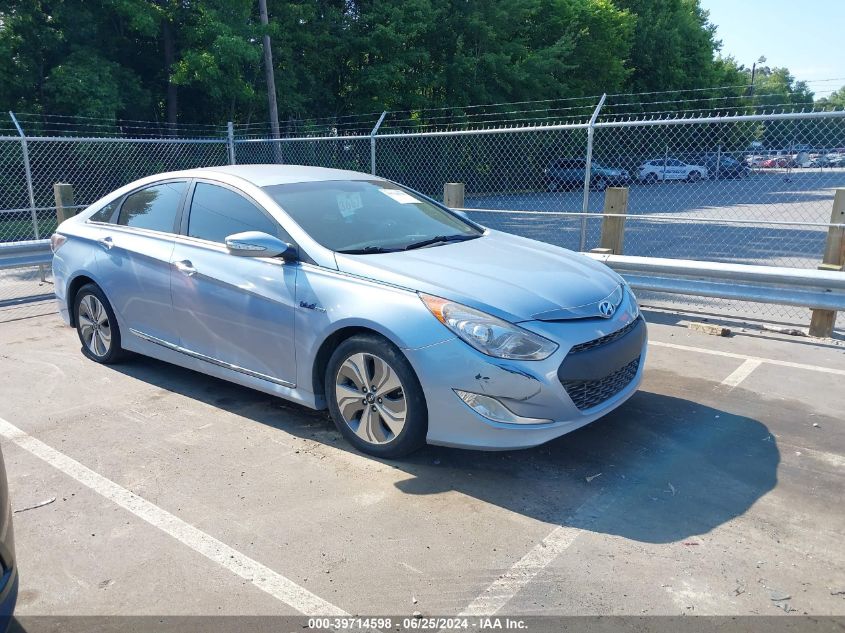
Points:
[[492, 409]]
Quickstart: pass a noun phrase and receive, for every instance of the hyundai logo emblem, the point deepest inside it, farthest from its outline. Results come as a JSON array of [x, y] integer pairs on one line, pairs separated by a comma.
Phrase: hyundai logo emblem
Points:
[[606, 309]]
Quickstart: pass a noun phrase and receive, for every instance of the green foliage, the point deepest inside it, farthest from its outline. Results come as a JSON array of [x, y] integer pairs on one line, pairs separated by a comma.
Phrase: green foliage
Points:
[[132, 58], [835, 99]]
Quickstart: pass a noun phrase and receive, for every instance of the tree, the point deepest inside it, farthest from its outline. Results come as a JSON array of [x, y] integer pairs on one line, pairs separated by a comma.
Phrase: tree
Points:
[[835, 99], [673, 45]]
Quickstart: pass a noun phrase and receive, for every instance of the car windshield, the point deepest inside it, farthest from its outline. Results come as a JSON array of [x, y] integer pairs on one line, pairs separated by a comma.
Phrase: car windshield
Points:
[[368, 216]]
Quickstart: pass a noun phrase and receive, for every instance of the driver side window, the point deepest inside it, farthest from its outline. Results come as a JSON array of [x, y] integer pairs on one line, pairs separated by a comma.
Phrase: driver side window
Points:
[[217, 212]]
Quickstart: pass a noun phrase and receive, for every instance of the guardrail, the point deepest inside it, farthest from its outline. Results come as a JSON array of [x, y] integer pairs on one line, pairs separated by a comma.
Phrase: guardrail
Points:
[[816, 289], [23, 254]]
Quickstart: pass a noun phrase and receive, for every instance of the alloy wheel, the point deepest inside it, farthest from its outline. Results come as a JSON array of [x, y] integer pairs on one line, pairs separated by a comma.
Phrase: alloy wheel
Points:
[[371, 398], [94, 326]]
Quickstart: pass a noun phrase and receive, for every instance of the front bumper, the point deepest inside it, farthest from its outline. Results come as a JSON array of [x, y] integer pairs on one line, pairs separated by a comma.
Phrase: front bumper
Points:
[[532, 389]]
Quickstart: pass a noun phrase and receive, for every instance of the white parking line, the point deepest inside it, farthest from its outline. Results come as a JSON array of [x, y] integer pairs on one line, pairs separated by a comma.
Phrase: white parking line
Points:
[[771, 361], [263, 577], [505, 587], [522, 572], [741, 373]]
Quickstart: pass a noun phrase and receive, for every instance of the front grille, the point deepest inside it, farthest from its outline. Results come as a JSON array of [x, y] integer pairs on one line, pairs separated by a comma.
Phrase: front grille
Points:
[[590, 393], [604, 340]]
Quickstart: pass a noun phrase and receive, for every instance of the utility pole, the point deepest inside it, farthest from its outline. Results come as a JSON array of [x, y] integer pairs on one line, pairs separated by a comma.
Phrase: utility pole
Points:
[[753, 72], [268, 71], [760, 60]]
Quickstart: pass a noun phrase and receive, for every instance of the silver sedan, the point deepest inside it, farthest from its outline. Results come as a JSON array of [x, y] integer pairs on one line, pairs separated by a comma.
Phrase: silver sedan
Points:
[[341, 290]]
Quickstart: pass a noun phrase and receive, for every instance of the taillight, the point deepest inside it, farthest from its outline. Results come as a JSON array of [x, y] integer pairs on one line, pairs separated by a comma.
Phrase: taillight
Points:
[[56, 241]]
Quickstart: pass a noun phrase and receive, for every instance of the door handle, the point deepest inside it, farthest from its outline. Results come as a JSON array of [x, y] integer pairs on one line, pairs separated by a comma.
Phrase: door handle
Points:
[[106, 242], [185, 267]]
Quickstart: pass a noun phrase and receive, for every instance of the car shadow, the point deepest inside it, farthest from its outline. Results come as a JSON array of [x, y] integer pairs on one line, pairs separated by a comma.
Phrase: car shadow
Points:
[[658, 469]]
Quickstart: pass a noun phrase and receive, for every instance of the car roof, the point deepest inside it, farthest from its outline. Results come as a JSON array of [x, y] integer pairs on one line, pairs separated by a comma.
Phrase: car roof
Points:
[[266, 175]]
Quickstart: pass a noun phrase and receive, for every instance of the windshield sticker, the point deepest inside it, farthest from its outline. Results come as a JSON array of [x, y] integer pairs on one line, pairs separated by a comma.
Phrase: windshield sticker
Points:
[[400, 196], [349, 203]]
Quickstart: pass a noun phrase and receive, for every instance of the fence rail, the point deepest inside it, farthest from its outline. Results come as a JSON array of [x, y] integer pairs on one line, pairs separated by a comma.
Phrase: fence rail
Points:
[[814, 289], [752, 189]]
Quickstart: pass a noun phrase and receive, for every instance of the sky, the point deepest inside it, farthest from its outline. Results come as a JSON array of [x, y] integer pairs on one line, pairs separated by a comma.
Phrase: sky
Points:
[[806, 36]]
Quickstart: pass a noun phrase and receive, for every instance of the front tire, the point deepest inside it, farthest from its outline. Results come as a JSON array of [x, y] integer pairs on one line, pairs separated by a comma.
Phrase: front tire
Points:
[[96, 325], [375, 398]]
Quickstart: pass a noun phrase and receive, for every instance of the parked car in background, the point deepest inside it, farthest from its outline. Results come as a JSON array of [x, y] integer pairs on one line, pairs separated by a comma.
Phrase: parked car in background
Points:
[[778, 161], [662, 169], [570, 173], [8, 563], [341, 290], [814, 160], [723, 166]]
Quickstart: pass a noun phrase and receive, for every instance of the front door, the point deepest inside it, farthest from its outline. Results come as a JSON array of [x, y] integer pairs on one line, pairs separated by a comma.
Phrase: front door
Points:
[[233, 311]]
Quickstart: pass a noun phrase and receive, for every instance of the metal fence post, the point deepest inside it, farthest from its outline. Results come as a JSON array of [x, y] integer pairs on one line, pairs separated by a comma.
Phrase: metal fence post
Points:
[[230, 141], [587, 173], [28, 171], [373, 143]]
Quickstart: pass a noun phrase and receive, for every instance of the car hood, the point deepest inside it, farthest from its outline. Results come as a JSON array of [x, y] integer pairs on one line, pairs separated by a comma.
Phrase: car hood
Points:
[[513, 277]]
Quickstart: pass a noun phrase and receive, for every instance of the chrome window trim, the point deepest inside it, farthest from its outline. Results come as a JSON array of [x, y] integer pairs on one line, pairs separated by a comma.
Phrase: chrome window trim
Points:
[[135, 230], [213, 361]]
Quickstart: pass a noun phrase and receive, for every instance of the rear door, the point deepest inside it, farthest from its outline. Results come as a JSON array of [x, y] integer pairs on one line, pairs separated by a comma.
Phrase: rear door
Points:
[[134, 259], [237, 312]]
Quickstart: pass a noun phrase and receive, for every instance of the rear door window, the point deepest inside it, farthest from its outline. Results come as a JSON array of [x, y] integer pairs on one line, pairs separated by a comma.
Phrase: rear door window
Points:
[[153, 208]]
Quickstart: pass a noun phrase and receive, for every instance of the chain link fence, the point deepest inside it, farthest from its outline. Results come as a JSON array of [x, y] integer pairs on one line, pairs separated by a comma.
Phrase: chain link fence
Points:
[[754, 189]]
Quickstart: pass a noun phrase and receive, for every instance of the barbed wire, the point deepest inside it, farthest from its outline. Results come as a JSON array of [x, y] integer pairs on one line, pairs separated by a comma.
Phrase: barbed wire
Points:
[[704, 101]]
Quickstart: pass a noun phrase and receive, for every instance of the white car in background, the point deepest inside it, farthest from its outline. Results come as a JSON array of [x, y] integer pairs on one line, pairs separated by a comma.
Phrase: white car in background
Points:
[[670, 169]]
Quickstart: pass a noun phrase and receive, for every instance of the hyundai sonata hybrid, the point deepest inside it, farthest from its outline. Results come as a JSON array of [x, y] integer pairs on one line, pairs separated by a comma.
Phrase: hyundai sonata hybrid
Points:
[[342, 290]]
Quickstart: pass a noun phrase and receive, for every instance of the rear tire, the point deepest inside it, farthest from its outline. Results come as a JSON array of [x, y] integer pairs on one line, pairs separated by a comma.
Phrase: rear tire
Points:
[[600, 184], [375, 398], [694, 176], [96, 325]]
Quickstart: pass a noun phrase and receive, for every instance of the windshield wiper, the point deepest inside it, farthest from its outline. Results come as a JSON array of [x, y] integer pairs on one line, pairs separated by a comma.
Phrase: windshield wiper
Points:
[[440, 239], [367, 250]]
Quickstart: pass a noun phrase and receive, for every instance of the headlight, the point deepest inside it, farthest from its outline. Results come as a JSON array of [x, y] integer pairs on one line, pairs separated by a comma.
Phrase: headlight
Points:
[[635, 307], [488, 334]]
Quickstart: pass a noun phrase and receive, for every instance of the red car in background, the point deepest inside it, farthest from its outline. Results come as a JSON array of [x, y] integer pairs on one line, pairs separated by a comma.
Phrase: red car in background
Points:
[[780, 161]]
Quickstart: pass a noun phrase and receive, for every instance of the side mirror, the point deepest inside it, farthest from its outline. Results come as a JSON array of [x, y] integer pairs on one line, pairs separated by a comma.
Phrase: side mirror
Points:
[[259, 244]]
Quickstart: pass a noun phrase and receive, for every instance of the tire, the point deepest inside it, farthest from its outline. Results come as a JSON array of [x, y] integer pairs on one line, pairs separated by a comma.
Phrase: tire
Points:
[[96, 325], [599, 184], [650, 179], [552, 185], [361, 414], [694, 176]]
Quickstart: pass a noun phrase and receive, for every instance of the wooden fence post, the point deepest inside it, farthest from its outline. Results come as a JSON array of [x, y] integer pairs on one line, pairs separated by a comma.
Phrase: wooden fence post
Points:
[[822, 321], [613, 228], [453, 195], [65, 203]]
